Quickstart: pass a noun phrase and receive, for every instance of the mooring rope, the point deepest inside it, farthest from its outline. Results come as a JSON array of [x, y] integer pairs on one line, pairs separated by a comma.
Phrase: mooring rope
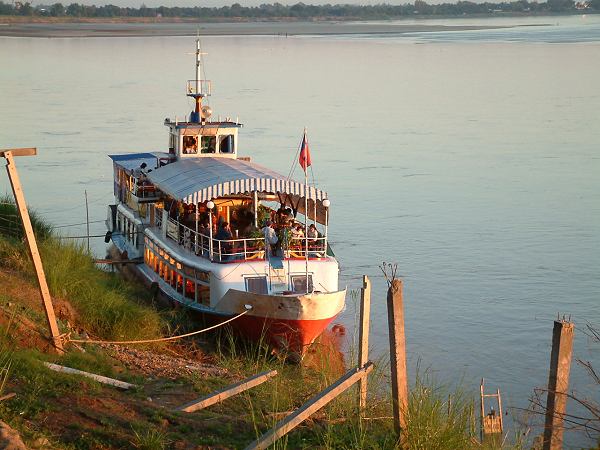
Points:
[[148, 341]]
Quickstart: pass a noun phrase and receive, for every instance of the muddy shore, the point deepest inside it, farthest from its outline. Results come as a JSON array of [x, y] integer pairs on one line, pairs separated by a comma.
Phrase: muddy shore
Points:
[[124, 29]]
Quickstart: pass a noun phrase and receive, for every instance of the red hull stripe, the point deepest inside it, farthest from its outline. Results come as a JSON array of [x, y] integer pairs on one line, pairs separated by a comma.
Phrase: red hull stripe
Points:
[[295, 335]]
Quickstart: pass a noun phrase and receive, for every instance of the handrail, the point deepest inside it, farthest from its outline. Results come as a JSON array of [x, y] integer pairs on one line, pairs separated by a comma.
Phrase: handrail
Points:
[[230, 250], [297, 247], [223, 250]]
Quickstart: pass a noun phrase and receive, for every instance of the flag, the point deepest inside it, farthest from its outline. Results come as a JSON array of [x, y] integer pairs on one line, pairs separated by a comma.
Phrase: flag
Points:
[[304, 154]]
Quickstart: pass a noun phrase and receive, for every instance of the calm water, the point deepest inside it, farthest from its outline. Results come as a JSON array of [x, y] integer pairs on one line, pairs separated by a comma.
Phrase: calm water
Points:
[[471, 159]]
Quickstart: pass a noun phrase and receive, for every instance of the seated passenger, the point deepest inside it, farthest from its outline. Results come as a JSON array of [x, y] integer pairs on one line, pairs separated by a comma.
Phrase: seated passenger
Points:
[[297, 232], [312, 233]]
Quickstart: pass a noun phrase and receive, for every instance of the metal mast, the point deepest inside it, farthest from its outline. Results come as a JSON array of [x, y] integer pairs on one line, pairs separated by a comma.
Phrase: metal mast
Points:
[[198, 89]]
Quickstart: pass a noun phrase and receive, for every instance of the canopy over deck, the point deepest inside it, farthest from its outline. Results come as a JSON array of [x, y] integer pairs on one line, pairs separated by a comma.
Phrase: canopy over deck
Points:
[[197, 180], [133, 161]]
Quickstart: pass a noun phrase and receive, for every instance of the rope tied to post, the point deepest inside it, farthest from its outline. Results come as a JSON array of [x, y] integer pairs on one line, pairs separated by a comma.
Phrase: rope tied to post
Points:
[[164, 339]]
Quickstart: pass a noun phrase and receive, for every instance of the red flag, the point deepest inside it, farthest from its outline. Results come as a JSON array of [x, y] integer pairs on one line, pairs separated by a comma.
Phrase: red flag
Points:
[[304, 154]]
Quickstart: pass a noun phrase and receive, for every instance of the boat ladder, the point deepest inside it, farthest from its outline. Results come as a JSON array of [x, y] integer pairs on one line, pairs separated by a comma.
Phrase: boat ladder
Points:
[[277, 275]]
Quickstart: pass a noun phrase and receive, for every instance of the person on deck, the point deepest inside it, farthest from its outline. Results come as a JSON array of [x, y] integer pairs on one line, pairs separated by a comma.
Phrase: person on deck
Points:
[[270, 237], [312, 233], [224, 234], [297, 233]]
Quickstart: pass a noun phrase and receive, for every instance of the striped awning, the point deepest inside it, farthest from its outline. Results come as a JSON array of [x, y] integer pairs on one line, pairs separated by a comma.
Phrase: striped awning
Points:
[[197, 180]]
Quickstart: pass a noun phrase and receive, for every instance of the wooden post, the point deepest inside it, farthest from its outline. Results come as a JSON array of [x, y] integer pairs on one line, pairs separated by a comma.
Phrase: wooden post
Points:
[[558, 383], [87, 220], [363, 336], [397, 354], [227, 392], [30, 237], [284, 426]]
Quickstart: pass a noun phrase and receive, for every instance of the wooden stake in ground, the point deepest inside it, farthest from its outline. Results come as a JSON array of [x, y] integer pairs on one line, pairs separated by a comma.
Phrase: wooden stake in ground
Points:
[[363, 336], [87, 220], [558, 383], [15, 183], [397, 354]]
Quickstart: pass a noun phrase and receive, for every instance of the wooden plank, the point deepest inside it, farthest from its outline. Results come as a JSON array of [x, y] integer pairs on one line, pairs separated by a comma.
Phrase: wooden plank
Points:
[[99, 378], [8, 396], [114, 261], [558, 384], [284, 426], [227, 392], [397, 354], [15, 183], [29, 151], [363, 338]]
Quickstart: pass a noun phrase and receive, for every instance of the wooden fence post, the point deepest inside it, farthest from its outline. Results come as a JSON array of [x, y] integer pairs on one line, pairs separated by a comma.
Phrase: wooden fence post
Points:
[[397, 354], [558, 383], [363, 336], [15, 183]]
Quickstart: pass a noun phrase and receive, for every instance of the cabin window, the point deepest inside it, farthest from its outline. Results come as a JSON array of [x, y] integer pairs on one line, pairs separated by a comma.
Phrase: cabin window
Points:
[[179, 283], [202, 276], [208, 144], [299, 283], [226, 144], [203, 294], [190, 145], [190, 289], [257, 285], [171, 143]]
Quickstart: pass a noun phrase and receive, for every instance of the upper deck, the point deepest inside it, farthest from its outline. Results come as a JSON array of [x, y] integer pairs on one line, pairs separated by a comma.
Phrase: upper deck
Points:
[[212, 202]]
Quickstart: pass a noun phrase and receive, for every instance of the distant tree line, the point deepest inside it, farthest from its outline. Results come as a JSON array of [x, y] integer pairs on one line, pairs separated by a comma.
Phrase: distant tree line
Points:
[[302, 10]]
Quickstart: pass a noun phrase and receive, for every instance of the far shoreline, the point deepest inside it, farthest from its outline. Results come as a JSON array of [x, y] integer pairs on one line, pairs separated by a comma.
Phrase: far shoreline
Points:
[[144, 28]]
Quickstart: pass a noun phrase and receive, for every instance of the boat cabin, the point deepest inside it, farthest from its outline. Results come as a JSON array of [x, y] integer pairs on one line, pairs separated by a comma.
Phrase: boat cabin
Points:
[[205, 139]]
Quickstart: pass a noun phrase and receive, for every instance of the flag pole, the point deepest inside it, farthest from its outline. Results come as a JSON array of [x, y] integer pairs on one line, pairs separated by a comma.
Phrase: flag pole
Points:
[[306, 217]]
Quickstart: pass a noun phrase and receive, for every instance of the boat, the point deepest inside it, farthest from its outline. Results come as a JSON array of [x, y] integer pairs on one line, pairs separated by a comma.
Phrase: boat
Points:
[[193, 221]]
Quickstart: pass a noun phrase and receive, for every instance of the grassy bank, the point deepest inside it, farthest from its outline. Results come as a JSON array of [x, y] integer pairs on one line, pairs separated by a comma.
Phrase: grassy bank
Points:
[[54, 410], [105, 305]]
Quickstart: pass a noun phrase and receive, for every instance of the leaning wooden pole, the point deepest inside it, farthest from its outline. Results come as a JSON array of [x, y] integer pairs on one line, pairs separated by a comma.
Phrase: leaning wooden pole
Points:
[[229, 391], [15, 183], [284, 426], [558, 383], [397, 354], [363, 336]]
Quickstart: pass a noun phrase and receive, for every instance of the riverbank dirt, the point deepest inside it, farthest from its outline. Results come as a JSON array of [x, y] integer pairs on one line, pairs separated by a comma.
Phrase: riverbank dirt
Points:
[[52, 410]]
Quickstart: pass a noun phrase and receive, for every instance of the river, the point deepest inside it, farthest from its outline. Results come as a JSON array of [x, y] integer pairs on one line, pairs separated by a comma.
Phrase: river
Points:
[[469, 158]]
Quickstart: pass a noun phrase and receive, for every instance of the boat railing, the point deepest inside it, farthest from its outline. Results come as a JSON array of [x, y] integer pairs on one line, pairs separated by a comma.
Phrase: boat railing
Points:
[[199, 87], [218, 250], [145, 191], [157, 216], [297, 248]]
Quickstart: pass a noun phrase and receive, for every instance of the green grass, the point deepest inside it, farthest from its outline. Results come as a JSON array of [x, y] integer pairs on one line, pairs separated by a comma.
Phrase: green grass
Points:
[[149, 439], [108, 307], [10, 221]]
